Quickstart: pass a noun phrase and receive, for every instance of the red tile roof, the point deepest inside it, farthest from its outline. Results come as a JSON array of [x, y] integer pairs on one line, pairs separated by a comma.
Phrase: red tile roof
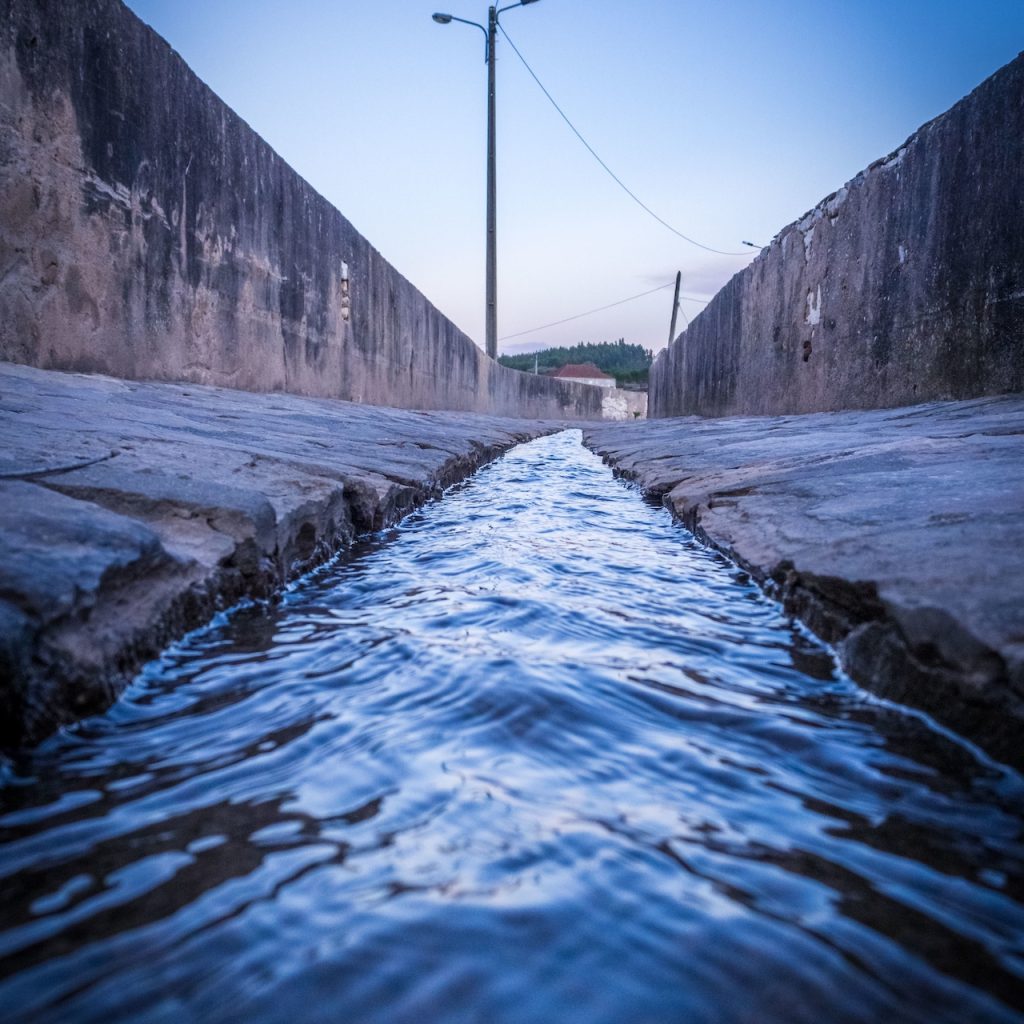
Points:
[[575, 370]]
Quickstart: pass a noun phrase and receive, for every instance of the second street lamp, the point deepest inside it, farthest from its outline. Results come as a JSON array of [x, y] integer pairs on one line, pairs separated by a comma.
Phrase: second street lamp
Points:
[[491, 299]]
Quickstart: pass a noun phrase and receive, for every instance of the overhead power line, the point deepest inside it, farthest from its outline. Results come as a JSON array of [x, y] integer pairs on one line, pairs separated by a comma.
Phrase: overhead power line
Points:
[[600, 309], [632, 195]]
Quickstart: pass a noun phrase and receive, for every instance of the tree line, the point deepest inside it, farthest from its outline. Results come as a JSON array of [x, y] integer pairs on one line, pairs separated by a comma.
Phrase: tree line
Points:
[[628, 364]]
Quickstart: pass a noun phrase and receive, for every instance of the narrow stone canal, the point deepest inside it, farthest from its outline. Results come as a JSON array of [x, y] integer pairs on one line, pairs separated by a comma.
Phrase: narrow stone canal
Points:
[[534, 756]]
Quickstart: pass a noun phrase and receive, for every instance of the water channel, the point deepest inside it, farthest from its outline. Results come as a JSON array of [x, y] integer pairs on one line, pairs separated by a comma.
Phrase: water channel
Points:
[[533, 756]]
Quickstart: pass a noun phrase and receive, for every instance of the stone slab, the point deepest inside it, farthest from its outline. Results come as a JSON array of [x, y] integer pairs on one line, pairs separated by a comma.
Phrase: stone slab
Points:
[[897, 535], [130, 512]]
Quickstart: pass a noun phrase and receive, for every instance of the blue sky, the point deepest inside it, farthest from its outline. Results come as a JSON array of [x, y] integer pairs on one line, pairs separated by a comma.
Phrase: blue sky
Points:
[[729, 119]]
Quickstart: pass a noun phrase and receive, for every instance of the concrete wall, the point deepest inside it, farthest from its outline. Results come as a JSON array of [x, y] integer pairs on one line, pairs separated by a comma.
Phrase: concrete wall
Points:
[[147, 232], [904, 286], [620, 404]]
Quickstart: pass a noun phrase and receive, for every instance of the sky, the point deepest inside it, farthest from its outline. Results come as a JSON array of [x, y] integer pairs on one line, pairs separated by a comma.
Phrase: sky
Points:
[[728, 118]]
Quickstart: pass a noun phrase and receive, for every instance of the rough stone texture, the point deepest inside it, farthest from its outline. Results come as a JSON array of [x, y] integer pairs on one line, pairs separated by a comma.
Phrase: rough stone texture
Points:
[[897, 536], [620, 404], [130, 512], [147, 232], [906, 285]]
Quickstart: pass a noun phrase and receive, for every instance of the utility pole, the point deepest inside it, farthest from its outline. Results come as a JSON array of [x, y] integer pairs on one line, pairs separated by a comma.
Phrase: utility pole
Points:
[[492, 188], [491, 260], [675, 308]]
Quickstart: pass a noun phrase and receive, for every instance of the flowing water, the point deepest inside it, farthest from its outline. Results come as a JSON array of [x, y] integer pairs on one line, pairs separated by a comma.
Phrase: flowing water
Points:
[[534, 756]]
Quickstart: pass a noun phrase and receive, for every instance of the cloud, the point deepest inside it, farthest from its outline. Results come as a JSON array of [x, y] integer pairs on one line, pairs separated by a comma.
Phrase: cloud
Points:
[[702, 276], [518, 348]]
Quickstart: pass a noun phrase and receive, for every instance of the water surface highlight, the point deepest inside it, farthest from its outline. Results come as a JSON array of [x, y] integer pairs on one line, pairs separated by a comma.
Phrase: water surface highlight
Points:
[[533, 756]]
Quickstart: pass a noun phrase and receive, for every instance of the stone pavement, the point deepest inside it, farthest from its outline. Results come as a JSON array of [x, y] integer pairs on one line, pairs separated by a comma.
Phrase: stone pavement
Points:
[[897, 535], [130, 512]]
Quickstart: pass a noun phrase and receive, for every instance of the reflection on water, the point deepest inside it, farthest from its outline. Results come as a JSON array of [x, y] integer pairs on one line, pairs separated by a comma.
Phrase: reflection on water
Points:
[[534, 756]]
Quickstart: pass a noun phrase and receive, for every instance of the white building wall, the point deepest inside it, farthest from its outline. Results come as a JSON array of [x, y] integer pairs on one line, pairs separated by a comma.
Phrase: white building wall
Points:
[[624, 405]]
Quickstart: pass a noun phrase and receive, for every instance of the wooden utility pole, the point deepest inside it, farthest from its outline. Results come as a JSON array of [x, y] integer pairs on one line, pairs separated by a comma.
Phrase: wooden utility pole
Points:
[[675, 308]]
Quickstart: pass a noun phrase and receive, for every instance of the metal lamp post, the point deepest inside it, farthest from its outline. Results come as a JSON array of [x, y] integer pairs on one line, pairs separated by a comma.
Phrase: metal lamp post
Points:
[[491, 36]]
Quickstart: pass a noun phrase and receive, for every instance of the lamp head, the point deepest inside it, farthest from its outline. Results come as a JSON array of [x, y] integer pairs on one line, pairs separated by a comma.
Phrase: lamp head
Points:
[[445, 19]]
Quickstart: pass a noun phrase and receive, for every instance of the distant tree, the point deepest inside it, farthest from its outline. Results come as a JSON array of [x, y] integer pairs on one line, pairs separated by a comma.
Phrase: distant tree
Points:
[[628, 364]]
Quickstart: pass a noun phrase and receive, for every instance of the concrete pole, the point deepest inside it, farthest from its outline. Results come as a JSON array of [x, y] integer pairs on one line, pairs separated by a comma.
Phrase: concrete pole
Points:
[[492, 242]]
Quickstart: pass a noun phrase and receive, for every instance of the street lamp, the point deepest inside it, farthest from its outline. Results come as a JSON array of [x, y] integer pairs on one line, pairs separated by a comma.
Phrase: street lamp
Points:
[[491, 36]]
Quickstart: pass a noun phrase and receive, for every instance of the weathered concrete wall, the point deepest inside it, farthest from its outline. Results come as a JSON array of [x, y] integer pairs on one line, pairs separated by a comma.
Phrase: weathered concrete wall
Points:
[[147, 232], [905, 285], [620, 404]]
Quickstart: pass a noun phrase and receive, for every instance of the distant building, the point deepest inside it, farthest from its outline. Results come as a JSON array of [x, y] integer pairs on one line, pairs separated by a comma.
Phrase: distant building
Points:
[[585, 373]]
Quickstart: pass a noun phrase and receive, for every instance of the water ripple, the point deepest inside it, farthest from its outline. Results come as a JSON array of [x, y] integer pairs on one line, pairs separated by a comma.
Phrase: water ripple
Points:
[[533, 756]]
